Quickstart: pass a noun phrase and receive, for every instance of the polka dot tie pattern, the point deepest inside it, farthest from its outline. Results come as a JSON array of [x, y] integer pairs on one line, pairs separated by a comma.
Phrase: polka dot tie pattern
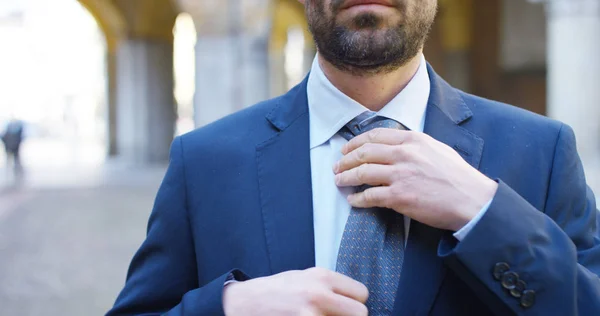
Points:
[[372, 246]]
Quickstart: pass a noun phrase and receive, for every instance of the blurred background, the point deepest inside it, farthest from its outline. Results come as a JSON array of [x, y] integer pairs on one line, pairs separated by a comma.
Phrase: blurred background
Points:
[[99, 88]]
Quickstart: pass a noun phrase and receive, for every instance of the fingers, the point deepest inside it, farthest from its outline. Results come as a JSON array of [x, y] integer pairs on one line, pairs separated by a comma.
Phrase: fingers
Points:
[[386, 136], [341, 295], [349, 287], [372, 174], [371, 197], [339, 305], [367, 153]]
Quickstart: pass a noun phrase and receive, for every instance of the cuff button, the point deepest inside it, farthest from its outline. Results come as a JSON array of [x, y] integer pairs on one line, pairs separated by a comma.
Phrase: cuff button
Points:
[[509, 280], [500, 269], [517, 292], [528, 298]]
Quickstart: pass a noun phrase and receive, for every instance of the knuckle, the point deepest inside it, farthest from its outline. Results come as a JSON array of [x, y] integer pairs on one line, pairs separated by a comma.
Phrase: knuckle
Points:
[[360, 173], [398, 172], [409, 171], [317, 298], [398, 151], [387, 199], [396, 193], [361, 153], [374, 135], [410, 198], [412, 136], [317, 272], [321, 274], [367, 196], [372, 198]]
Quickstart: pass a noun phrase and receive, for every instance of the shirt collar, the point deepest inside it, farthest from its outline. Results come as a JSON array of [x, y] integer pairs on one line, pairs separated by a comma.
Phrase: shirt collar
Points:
[[330, 109]]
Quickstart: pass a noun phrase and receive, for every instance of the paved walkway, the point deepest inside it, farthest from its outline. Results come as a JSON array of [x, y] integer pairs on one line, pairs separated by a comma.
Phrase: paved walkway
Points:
[[66, 238]]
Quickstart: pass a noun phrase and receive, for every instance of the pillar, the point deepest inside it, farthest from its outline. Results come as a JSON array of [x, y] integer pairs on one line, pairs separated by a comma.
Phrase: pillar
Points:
[[288, 28], [278, 79], [574, 74], [231, 73], [145, 100], [232, 67], [111, 113]]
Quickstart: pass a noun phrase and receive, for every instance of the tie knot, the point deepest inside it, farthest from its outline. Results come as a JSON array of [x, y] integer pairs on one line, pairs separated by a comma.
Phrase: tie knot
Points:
[[367, 121]]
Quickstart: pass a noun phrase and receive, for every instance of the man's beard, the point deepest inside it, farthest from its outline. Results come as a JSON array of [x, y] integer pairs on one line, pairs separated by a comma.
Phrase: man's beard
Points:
[[368, 47]]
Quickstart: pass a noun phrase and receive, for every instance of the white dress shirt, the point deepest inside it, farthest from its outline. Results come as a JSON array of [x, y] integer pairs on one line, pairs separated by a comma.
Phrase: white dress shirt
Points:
[[329, 111]]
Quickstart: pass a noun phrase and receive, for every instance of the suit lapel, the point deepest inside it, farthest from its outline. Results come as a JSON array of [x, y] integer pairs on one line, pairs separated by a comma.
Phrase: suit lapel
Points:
[[423, 271], [285, 185], [286, 192]]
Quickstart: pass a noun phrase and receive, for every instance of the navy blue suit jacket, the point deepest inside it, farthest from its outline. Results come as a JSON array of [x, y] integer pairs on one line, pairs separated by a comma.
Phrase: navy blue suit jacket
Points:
[[237, 197]]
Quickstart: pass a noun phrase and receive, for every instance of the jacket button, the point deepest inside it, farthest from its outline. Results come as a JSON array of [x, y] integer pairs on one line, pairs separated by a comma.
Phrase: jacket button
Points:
[[528, 298], [519, 288], [500, 269], [509, 280]]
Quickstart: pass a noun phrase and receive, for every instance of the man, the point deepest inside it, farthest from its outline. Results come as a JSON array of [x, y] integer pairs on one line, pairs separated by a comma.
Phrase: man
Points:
[[409, 196], [12, 137]]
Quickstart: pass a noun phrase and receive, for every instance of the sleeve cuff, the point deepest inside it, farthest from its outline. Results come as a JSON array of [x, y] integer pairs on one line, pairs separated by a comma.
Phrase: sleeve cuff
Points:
[[463, 232], [235, 276]]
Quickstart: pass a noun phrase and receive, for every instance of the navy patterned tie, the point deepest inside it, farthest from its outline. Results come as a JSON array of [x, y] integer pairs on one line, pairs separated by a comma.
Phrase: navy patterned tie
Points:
[[372, 246]]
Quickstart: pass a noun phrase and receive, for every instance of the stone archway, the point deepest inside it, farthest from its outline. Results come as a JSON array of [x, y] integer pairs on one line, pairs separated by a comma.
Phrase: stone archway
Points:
[[113, 26], [139, 36], [54, 71]]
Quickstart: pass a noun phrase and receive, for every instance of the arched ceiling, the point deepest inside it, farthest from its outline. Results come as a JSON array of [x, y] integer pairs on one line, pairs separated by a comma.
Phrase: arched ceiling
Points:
[[151, 19], [121, 19], [109, 18]]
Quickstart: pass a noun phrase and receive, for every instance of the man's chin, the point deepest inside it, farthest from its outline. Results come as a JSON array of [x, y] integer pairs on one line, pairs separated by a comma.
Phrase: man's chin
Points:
[[357, 28]]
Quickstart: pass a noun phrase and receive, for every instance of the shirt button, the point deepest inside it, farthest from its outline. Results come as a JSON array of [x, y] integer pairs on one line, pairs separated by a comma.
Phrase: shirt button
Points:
[[509, 280], [500, 269], [519, 288], [528, 298]]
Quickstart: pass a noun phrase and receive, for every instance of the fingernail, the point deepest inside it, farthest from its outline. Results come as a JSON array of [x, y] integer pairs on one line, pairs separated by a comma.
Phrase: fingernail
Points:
[[338, 179], [336, 167], [350, 199]]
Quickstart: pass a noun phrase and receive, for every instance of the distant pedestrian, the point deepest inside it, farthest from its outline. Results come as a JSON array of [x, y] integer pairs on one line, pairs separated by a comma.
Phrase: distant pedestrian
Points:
[[12, 137]]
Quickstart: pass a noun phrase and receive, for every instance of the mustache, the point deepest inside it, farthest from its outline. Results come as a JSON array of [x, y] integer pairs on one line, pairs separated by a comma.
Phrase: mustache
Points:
[[336, 5]]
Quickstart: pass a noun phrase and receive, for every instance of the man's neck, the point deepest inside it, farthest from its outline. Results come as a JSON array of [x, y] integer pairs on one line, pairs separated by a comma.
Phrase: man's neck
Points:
[[374, 91]]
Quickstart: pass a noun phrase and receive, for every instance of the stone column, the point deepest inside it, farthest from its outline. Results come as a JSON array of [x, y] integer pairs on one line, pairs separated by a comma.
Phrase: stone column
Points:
[[574, 75], [111, 113], [278, 78], [145, 98], [232, 66], [145, 101], [254, 68]]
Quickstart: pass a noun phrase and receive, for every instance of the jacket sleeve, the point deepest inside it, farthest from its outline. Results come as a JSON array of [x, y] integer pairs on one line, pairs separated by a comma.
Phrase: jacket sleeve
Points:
[[162, 278], [532, 262]]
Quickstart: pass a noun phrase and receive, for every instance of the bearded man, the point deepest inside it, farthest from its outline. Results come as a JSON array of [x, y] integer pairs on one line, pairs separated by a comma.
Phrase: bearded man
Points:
[[373, 187]]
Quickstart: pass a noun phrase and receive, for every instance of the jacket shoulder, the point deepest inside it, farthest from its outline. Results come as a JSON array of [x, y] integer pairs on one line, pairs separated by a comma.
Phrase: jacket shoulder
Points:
[[244, 125], [502, 116]]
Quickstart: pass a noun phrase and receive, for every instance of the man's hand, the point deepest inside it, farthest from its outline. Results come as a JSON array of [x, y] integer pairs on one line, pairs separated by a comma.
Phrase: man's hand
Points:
[[310, 292], [414, 175]]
